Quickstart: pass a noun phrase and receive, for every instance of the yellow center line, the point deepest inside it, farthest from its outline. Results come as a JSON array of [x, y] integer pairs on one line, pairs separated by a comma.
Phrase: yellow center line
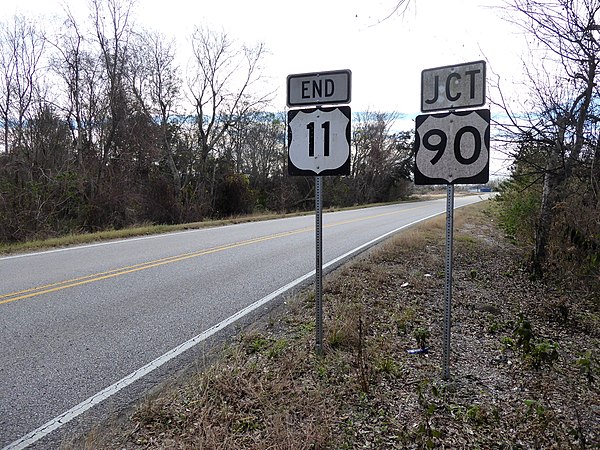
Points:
[[92, 278], [49, 288], [46, 286]]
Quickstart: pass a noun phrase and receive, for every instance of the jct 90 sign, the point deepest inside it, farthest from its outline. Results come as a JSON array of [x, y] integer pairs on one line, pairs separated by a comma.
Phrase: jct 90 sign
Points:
[[453, 87], [453, 148]]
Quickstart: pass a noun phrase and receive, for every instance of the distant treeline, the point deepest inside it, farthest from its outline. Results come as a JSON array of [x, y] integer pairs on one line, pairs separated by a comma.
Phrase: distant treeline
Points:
[[92, 136]]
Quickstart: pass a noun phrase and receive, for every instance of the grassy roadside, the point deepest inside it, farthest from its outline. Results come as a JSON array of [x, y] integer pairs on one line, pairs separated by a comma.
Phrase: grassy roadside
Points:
[[143, 230], [148, 230], [524, 368]]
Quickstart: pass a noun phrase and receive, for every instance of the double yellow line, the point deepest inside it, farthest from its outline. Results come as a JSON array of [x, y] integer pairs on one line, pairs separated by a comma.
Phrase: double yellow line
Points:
[[74, 282], [66, 284]]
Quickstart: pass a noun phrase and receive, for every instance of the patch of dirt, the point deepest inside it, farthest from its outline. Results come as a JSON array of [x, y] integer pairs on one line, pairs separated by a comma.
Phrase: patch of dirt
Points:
[[524, 360]]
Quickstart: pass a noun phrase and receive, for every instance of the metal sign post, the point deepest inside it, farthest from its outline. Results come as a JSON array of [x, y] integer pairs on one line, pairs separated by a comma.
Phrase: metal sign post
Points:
[[452, 148], [319, 145], [319, 262], [448, 292]]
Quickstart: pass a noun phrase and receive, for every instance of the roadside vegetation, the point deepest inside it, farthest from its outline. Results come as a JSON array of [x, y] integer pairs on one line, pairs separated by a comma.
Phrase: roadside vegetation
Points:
[[551, 133], [99, 133], [150, 229], [101, 129], [123, 233], [525, 363]]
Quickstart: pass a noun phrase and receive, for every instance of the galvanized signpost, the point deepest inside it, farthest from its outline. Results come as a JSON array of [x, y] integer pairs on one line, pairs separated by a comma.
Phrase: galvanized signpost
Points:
[[319, 145], [452, 148]]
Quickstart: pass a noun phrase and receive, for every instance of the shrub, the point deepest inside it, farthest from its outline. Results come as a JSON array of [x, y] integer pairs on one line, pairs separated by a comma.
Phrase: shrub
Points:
[[519, 207]]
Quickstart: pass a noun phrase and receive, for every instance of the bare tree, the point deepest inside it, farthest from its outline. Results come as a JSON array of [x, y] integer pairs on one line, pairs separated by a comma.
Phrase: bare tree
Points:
[[111, 21], [259, 145], [399, 8], [8, 66], [21, 50], [156, 84], [561, 108], [221, 82], [80, 72], [381, 156]]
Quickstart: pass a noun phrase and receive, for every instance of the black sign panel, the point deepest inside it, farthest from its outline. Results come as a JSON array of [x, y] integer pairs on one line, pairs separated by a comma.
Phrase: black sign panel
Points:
[[319, 141], [453, 148]]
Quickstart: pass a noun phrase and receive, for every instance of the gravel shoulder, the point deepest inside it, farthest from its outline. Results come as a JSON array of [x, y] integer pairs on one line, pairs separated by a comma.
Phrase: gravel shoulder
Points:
[[525, 360]]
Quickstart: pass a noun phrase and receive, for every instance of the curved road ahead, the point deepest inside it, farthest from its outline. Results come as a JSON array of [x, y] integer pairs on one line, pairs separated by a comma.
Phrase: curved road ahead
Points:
[[80, 324]]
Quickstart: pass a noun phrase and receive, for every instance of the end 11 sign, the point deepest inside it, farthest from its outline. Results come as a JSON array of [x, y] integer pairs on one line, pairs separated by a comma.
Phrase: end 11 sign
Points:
[[319, 88], [319, 141]]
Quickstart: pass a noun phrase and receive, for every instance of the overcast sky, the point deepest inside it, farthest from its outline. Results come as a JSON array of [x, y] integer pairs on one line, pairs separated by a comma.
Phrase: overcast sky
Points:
[[386, 57]]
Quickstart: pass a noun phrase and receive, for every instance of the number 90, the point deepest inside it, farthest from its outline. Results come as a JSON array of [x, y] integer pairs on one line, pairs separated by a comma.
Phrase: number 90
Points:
[[436, 140]]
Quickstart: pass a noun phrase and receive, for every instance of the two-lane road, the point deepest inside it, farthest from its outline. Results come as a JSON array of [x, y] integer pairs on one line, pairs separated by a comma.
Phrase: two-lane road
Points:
[[79, 324]]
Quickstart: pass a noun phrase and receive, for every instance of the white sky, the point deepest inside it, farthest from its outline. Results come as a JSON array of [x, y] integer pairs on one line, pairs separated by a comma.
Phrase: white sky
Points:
[[386, 59]]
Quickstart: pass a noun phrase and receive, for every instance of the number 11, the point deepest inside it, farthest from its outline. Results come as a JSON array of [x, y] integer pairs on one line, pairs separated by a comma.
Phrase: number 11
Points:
[[311, 138]]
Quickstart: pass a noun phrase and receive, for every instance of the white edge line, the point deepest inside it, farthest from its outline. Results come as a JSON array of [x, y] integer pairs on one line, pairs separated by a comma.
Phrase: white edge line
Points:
[[101, 244], [131, 239], [95, 399], [127, 240]]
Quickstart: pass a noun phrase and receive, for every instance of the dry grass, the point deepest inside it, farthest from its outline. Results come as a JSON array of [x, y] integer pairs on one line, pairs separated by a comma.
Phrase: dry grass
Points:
[[149, 229], [139, 230], [269, 390]]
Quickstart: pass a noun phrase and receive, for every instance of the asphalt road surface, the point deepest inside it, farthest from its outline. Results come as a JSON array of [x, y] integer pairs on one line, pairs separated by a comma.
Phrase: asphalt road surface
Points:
[[82, 327]]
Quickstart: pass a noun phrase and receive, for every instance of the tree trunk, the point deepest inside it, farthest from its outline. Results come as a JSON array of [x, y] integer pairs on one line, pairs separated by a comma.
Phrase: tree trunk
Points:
[[175, 174], [169, 156], [544, 225], [556, 172]]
